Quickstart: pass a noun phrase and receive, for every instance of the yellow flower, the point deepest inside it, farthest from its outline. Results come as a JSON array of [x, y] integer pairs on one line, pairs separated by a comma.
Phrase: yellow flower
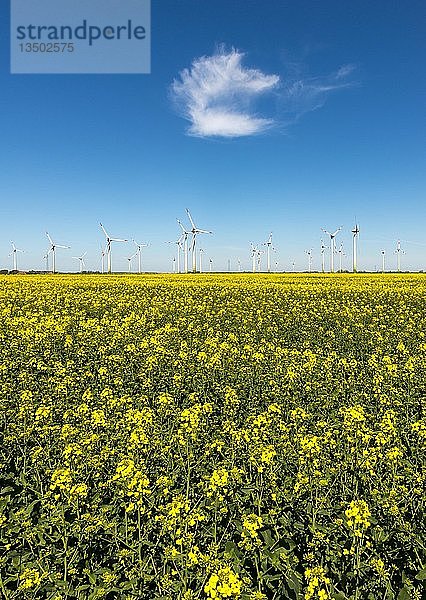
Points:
[[223, 584], [357, 515], [30, 578]]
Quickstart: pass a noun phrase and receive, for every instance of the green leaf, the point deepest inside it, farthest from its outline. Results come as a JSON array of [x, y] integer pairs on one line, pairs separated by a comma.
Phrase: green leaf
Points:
[[293, 583], [231, 549], [266, 534], [288, 544], [404, 594], [421, 575], [92, 577]]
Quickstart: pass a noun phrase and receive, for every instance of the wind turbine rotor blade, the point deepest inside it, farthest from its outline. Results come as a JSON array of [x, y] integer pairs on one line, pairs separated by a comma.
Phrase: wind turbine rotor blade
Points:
[[182, 227], [190, 218], [59, 246], [50, 239], [118, 240], [103, 229], [203, 231]]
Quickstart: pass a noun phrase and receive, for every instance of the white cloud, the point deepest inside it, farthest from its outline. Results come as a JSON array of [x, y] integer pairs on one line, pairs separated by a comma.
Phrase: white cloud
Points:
[[299, 96], [216, 94], [344, 71]]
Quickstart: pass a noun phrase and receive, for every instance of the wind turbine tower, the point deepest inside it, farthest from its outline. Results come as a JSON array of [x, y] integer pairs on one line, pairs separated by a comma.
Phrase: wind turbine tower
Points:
[[52, 249], [14, 253], [103, 252], [383, 261], [108, 245], [185, 245], [179, 248], [309, 255], [195, 231], [130, 258], [46, 258], [332, 246], [355, 233], [268, 245], [398, 253], [81, 260], [253, 256], [201, 251], [323, 249], [139, 253], [341, 255]]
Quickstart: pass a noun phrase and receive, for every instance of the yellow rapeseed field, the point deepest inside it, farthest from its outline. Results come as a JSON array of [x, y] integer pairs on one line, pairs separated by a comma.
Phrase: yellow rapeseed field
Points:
[[214, 436]]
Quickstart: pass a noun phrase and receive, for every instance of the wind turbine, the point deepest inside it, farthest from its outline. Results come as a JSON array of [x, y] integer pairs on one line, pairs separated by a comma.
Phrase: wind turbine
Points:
[[383, 260], [210, 265], [332, 246], [239, 265], [398, 252], [254, 252], [139, 252], [108, 245], [195, 231], [46, 258], [309, 255], [81, 259], [201, 251], [341, 255], [268, 245], [355, 232], [14, 253], [52, 249], [179, 247], [323, 249], [174, 264], [185, 245], [103, 252], [259, 260], [130, 258]]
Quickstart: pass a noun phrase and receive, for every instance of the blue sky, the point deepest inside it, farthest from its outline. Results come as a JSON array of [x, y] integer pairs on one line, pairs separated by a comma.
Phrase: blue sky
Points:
[[290, 116]]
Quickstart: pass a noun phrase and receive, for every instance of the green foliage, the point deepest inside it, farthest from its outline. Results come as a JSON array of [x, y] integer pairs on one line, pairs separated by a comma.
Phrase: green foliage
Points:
[[212, 437]]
